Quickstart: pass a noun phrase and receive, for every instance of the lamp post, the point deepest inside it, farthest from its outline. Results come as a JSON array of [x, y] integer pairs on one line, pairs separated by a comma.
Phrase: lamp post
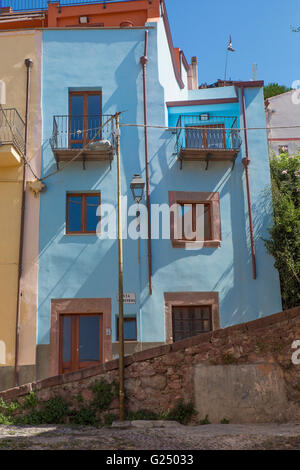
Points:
[[137, 187], [120, 270]]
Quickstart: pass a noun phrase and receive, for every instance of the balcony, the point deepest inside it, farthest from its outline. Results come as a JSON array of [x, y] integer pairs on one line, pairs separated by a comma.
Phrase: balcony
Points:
[[32, 5], [207, 138], [12, 138], [81, 138]]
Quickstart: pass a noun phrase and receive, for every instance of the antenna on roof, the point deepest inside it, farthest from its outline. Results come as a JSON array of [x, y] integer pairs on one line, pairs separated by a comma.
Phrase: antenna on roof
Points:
[[229, 48]]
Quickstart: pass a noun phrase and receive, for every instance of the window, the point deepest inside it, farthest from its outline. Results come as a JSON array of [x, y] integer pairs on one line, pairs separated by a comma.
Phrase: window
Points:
[[206, 137], [190, 313], [130, 330], [82, 212], [190, 321], [85, 110], [195, 221], [194, 218]]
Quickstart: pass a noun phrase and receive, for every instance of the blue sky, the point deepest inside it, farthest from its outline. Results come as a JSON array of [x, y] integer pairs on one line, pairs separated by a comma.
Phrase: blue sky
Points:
[[260, 31]]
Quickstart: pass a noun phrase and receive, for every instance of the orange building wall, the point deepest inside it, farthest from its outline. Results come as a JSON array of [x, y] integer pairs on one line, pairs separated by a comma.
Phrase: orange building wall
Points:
[[138, 13], [114, 15]]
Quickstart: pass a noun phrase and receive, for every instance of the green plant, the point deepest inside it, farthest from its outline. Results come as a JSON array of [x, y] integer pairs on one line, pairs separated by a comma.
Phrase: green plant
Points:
[[79, 398], [8, 407], [55, 410], [7, 411], [5, 419], [104, 393], [109, 418], [182, 412], [205, 421], [284, 241], [52, 411], [274, 89], [30, 401], [224, 421], [84, 415]]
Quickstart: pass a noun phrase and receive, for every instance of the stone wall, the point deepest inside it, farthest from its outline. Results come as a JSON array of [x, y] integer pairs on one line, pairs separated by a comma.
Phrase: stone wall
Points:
[[243, 373]]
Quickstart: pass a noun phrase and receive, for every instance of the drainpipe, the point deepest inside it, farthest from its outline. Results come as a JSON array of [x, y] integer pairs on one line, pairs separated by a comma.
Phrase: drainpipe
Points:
[[144, 60], [28, 64], [246, 162]]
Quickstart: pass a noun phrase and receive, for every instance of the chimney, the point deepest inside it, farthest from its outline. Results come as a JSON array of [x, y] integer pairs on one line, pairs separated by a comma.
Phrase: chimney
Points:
[[193, 75]]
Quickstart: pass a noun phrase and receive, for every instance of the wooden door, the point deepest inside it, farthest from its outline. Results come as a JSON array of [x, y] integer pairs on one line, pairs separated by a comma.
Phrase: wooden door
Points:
[[81, 341], [85, 117], [206, 137]]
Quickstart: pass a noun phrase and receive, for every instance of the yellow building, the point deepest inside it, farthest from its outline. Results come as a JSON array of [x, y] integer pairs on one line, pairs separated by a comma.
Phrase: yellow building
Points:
[[20, 81]]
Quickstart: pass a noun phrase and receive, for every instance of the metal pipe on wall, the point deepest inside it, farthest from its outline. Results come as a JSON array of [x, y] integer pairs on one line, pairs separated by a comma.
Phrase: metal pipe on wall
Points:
[[28, 63], [246, 162], [144, 61], [120, 276]]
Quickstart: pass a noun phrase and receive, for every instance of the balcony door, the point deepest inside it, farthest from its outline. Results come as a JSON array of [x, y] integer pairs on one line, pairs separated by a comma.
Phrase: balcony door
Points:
[[80, 342], [206, 137], [85, 117]]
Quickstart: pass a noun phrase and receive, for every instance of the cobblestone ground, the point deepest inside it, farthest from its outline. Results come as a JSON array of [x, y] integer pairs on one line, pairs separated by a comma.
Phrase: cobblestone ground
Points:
[[144, 436]]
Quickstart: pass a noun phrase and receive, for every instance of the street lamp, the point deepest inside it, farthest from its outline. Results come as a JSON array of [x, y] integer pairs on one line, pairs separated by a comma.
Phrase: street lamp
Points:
[[137, 187]]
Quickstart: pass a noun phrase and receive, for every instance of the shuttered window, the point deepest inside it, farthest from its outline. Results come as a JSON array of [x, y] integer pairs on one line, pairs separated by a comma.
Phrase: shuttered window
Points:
[[191, 321]]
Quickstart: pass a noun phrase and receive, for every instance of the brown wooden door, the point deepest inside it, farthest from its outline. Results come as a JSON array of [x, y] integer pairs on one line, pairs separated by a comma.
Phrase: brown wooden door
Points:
[[81, 341], [205, 137], [85, 117]]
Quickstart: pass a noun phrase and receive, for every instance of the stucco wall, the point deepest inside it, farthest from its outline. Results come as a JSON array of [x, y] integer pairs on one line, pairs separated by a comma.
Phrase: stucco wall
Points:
[[283, 115], [83, 266], [15, 48]]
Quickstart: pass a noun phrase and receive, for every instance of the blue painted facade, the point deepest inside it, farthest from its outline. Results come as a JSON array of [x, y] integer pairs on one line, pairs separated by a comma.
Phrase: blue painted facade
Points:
[[83, 266]]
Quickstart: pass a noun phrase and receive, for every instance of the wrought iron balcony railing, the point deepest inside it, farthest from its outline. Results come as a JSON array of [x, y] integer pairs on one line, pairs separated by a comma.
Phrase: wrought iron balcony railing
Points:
[[76, 132], [12, 129], [90, 133], [203, 136], [38, 5]]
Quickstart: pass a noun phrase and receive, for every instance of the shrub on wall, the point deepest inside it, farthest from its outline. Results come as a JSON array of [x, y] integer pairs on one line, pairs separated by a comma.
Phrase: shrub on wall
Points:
[[284, 242]]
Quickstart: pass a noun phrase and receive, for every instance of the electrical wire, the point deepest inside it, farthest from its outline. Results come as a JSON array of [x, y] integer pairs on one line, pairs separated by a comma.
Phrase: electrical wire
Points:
[[172, 129]]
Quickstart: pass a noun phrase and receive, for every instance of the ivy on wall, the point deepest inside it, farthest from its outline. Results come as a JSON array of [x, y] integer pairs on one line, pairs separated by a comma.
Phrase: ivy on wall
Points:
[[284, 242]]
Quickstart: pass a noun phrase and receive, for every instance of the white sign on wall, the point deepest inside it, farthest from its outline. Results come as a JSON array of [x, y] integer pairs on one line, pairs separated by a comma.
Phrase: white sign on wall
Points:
[[129, 298]]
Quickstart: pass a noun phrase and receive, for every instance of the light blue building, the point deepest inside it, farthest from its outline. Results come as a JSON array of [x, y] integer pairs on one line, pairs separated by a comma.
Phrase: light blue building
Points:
[[198, 156]]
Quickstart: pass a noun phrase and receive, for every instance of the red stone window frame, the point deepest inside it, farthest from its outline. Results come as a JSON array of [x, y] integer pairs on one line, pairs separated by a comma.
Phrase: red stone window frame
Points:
[[83, 197], [192, 299], [207, 198], [81, 307], [187, 319]]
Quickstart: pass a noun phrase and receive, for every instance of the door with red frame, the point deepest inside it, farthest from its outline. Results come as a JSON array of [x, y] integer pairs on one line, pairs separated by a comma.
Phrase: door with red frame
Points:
[[85, 117], [81, 341]]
